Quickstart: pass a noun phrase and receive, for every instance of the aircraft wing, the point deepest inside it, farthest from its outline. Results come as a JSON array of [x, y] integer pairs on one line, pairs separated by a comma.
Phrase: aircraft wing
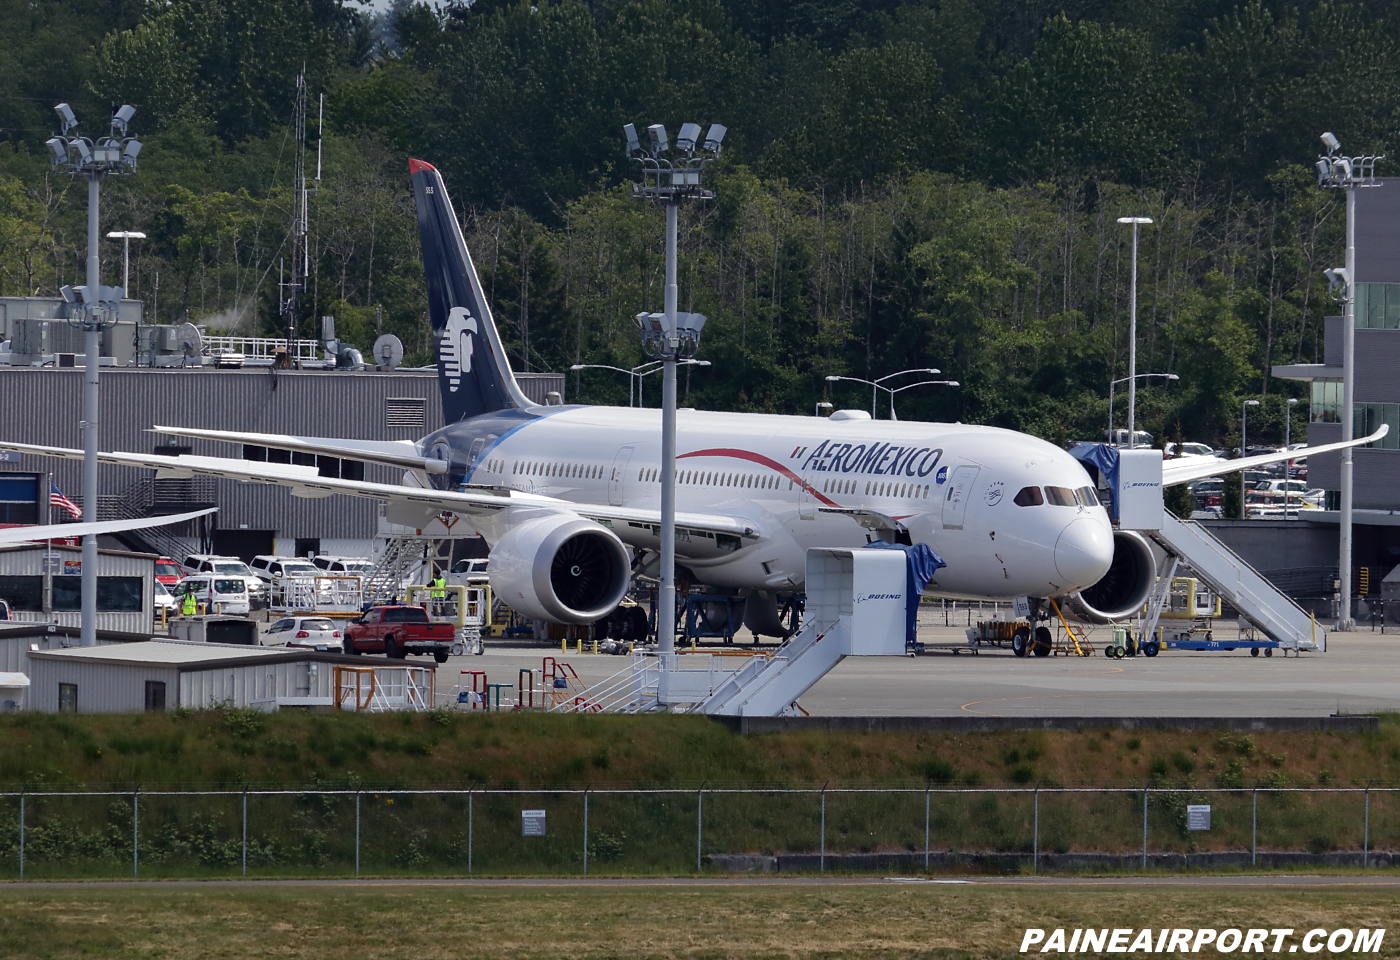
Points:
[[416, 506], [1174, 473], [392, 453], [60, 531]]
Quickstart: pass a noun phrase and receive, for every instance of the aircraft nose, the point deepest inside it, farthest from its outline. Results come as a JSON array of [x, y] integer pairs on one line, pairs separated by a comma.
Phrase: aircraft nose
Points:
[[1084, 552]]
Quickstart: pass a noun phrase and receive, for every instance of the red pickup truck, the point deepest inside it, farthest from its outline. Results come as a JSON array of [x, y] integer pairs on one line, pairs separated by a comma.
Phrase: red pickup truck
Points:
[[399, 631]]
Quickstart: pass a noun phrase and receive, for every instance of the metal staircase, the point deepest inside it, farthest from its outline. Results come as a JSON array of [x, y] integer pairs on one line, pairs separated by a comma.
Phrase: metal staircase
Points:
[[1258, 600], [393, 562], [770, 687]]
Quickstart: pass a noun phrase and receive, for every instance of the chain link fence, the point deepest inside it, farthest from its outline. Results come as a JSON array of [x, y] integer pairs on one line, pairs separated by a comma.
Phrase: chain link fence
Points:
[[705, 829]]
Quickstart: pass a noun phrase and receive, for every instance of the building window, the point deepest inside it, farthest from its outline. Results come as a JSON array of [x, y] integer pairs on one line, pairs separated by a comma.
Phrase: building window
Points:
[[19, 499], [114, 594], [23, 593], [405, 413], [1367, 419], [1377, 306], [155, 696], [1326, 402], [67, 698]]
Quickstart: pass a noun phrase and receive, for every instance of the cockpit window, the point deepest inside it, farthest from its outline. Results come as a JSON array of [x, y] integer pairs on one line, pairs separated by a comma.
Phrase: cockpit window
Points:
[[1028, 497], [1087, 496], [1060, 496]]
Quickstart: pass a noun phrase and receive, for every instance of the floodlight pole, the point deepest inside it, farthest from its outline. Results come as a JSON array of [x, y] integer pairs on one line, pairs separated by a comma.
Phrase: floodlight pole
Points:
[[88, 636], [93, 159], [666, 635], [1349, 174]]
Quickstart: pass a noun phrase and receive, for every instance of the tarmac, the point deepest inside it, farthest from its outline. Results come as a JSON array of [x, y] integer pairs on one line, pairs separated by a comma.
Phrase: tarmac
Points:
[[1358, 674]]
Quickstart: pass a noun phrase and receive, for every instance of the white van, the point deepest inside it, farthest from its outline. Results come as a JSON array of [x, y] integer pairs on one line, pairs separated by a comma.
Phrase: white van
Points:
[[217, 594]]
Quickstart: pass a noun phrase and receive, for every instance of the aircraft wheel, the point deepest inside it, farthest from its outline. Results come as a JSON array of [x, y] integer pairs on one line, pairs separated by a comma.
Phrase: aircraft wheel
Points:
[[1043, 642], [1020, 640]]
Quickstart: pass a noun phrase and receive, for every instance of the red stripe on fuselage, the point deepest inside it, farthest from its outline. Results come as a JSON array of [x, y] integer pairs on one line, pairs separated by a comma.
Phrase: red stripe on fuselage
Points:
[[762, 461]]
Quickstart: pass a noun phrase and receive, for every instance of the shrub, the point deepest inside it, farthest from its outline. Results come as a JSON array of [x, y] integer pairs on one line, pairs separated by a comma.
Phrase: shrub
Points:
[[244, 722], [1134, 743], [1010, 756], [1183, 763], [1159, 767], [1025, 773], [939, 771]]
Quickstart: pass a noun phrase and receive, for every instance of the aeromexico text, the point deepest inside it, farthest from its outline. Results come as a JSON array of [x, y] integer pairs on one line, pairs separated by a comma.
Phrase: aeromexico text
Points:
[[883, 459]]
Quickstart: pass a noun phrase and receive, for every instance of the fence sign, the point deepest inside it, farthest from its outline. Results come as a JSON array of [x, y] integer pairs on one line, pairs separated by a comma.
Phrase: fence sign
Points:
[[532, 823], [1198, 816], [72, 568]]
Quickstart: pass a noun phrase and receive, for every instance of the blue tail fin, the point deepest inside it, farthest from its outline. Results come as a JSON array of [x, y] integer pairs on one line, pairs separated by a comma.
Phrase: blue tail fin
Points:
[[474, 376]]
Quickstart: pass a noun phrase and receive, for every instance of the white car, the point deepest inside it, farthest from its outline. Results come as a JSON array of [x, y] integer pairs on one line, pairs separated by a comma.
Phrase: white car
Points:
[[165, 600], [270, 568], [218, 594], [468, 573], [310, 632], [1191, 450], [197, 563], [358, 566]]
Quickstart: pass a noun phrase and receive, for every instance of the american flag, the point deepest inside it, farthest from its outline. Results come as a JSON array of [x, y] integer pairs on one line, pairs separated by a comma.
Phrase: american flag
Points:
[[57, 499]]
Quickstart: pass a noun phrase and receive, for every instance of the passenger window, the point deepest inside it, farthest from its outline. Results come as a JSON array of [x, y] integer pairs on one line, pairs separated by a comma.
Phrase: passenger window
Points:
[[1028, 497], [1087, 497], [1060, 496]]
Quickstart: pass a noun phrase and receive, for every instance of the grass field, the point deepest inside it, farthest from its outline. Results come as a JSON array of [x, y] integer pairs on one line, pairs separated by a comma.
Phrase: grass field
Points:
[[740, 921], [303, 833]]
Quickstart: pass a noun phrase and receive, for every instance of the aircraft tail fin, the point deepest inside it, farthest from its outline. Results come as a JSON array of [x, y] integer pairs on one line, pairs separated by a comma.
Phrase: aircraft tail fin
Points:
[[474, 376]]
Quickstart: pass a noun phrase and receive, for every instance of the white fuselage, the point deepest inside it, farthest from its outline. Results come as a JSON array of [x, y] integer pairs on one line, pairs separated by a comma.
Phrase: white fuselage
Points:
[[808, 482]]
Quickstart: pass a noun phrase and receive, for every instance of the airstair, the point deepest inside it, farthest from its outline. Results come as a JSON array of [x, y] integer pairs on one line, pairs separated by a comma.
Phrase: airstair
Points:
[[1134, 478], [1248, 591], [395, 565]]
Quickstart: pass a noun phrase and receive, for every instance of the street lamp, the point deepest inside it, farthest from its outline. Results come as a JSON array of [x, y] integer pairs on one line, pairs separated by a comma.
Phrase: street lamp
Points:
[[93, 160], [878, 384], [607, 366], [1288, 466], [126, 236], [1346, 173], [1114, 383], [647, 373], [1137, 222], [1244, 450], [921, 383], [670, 178], [821, 405]]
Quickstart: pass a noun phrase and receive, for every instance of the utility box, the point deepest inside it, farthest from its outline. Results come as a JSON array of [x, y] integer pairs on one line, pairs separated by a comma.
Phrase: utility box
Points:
[[1140, 489], [216, 629], [869, 586]]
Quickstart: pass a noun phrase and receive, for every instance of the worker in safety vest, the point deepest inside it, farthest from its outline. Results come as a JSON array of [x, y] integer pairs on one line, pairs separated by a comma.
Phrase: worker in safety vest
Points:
[[439, 592], [189, 606]]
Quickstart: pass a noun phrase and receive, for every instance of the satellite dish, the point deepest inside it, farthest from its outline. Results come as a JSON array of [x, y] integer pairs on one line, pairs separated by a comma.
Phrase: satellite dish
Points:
[[190, 339], [388, 351]]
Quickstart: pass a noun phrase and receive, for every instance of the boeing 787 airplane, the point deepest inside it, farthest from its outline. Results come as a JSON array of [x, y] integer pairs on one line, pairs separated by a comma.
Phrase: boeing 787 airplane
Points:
[[569, 497]]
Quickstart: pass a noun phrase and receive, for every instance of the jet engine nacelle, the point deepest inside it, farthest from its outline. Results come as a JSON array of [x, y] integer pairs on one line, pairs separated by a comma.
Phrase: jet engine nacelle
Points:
[[560, 568], [1122, 591]]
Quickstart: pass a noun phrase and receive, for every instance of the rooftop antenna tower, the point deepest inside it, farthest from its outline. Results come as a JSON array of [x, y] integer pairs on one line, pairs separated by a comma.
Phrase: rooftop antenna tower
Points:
[[293, 291]]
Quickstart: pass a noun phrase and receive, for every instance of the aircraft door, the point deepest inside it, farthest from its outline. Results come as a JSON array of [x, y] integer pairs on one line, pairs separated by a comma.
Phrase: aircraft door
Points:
[[806, 503], [959, 488], [618, 477]]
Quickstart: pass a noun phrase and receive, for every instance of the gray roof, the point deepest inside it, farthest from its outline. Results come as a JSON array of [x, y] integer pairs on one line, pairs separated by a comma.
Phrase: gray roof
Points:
[[190, 655]]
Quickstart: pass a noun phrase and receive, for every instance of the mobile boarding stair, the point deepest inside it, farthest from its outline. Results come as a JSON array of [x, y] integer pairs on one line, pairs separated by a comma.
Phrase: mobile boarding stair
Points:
[[1134, 482], [858, 605], [1288, 627]]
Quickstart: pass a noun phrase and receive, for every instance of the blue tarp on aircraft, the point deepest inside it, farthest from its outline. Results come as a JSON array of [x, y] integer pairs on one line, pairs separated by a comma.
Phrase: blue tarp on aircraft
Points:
[[920, 564], [1104, 459]]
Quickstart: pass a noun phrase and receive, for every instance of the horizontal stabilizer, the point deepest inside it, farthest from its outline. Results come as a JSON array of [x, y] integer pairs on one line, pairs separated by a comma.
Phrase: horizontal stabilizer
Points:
[[1175, 472], [391, 453], [61, 531]]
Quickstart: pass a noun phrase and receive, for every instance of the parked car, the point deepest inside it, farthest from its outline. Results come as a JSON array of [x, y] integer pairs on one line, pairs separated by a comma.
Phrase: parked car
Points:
[[168, 571], [1191, 450], [269, 568], [469, 573], [353, 565], [219, 594], [399, 630], [313, 632], [165, 600], [4, 610], [229, 566]]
